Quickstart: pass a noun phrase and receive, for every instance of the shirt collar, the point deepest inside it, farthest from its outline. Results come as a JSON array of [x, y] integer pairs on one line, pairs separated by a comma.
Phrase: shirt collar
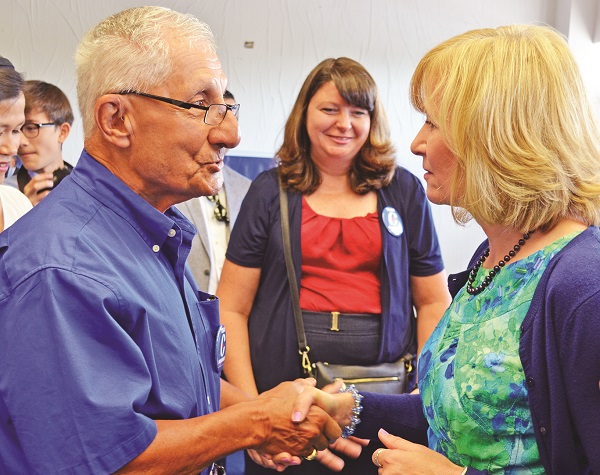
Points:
[[152, 225]]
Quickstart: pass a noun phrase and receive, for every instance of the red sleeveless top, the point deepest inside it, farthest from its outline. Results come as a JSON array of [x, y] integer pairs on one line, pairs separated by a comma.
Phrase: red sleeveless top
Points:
[[341, 260]]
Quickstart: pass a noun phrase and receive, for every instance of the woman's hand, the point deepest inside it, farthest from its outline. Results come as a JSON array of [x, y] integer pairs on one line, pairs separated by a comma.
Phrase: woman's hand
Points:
[[277, 462], [404, 457], [351, 447], [338, 405]]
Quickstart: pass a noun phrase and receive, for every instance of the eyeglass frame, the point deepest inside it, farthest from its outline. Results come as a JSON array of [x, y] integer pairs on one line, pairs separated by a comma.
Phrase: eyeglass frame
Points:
[[235, 108], [37, 128]]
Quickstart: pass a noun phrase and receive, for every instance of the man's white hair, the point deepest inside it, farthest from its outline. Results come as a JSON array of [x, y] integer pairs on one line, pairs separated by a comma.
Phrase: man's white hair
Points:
[[130, 51]]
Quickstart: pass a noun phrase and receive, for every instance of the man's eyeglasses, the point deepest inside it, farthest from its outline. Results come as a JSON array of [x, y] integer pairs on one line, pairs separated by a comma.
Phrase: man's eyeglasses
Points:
[[31, 131], [215, 113]]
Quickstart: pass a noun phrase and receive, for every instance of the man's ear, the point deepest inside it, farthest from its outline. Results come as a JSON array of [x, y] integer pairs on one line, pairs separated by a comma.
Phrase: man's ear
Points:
[[110, 113]]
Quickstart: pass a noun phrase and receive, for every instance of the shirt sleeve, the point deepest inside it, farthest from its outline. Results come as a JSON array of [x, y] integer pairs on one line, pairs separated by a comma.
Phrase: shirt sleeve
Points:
[[577, 366], [423, 243], [71, 377], [399, 414], [250, 235]]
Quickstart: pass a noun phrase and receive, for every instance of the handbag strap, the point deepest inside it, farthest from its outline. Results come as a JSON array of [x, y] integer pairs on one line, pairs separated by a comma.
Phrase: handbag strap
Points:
[[303, 347]]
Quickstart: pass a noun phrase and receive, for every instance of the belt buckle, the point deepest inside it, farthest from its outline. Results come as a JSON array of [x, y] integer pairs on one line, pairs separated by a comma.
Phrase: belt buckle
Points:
[[217, 469]]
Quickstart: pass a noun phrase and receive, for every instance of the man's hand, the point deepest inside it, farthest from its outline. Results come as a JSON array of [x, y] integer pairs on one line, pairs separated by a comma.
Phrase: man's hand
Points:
[[38, 182], [298, 437], [308, 396]]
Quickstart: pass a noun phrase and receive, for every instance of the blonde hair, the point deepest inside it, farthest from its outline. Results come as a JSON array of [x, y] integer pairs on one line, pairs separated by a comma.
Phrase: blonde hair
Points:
[[130, 51], [374, 164], [512, 107]]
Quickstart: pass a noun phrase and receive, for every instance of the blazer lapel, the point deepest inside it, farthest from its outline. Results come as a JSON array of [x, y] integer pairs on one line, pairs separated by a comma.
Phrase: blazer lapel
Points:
[[196, 215]]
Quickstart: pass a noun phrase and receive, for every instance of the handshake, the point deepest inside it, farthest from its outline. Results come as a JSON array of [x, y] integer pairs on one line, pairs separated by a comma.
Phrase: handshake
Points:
[[298, 420]]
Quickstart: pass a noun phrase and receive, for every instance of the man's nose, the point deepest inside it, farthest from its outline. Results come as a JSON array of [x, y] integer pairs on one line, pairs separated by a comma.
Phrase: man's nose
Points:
[[227, 133]]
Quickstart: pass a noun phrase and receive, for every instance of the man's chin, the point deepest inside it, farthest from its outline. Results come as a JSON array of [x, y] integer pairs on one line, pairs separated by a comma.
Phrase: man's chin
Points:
[[28, 163], [209, 188], [217, 183]]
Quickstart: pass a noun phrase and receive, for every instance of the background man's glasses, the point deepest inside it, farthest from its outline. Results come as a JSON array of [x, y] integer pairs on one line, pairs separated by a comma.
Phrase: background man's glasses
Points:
[[31, 131], [215, 113]]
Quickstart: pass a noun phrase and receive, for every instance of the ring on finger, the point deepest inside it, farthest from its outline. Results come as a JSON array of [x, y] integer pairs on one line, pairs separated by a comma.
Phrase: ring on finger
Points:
[[376, 457], [312, 456]]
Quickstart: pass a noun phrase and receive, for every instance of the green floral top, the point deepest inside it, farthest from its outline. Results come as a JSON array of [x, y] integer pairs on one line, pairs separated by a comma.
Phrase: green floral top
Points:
[[472, 382]]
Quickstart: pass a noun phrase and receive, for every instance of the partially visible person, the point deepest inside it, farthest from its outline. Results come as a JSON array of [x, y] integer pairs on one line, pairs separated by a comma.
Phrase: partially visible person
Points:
[[48, 120], [228, 97], [363, 244], [13, 204], [214, 217], [13, 167], [110, 355], [508, 380]]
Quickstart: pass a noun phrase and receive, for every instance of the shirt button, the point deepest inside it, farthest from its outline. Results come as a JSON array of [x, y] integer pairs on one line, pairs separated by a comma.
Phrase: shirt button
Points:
[[530, 382], [172, 232], [206, 272], [543, 430], [156, 248]]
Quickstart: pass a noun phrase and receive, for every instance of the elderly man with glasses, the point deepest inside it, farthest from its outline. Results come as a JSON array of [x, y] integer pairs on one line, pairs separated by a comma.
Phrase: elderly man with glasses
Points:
[[116, 365]]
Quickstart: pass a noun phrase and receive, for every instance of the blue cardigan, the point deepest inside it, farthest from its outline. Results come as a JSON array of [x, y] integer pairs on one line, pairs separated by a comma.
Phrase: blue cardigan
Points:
[[560, 353]]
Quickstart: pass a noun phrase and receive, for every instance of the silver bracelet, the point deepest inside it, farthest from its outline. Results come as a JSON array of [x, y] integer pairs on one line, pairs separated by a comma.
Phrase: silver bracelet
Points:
[[356, 410]]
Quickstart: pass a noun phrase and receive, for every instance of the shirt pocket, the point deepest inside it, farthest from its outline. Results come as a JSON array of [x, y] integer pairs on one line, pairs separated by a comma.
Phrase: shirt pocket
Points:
[[210, 337]]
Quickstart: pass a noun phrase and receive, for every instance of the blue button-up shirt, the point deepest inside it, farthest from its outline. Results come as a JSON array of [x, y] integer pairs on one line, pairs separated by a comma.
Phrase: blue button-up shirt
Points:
[[102, 328]]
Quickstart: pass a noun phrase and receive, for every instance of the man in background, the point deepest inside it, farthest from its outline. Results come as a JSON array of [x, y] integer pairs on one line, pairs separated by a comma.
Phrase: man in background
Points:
[[48, 121], [214, 217]]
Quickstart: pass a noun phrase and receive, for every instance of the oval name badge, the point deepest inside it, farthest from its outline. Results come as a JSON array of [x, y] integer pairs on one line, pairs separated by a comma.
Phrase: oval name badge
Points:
[[220, 347], [392, 221]]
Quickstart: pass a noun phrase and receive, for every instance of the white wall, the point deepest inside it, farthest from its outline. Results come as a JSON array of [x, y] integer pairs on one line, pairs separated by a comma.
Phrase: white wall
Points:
[[582, 27], [290, 38]]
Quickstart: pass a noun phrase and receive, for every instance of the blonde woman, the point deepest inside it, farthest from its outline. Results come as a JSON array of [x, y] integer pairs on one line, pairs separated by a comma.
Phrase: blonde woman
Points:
[[509, 378]]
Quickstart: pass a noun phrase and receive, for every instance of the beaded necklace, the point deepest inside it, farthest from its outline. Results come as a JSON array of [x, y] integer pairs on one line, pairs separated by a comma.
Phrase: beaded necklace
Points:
[[497, 268]]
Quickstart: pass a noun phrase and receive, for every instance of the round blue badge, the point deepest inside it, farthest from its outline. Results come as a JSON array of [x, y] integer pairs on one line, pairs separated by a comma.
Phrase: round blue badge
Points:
[[392, 221], [220, 347]]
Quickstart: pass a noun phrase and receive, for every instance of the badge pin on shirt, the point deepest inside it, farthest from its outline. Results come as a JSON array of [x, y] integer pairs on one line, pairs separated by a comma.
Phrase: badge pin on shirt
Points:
[[392, 221]]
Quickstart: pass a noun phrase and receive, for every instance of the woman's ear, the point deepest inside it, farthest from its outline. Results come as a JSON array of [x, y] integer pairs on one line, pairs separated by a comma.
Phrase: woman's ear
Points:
[[110, 113]]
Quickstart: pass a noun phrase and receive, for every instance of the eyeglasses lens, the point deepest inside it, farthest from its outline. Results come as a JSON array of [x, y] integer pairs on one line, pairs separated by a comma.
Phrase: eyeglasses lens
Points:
[[30, 131]]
